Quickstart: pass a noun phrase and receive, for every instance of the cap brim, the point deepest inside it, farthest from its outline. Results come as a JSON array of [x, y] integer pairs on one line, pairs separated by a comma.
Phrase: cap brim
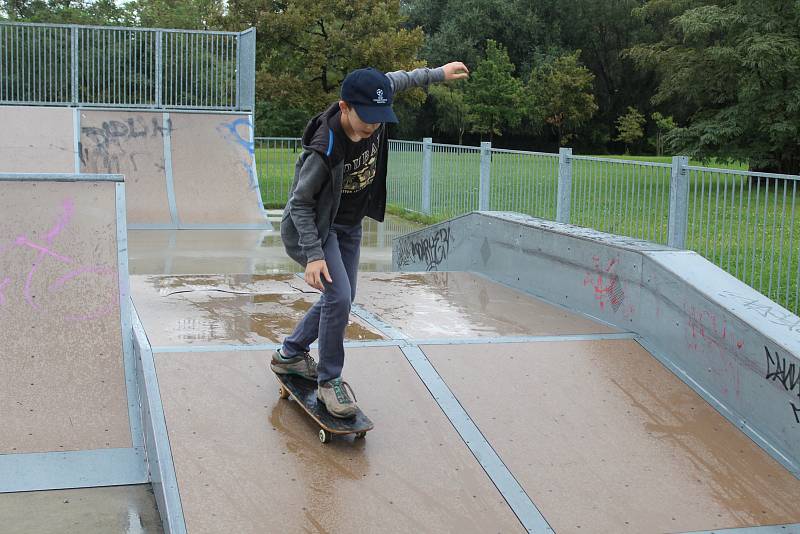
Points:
[[375, 114]]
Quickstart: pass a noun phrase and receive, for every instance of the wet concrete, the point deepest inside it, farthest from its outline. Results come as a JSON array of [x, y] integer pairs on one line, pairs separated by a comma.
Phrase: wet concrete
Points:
[[249, 462], [121, 510], [224, 309], [459, 305], [603, 438], [244, 251]]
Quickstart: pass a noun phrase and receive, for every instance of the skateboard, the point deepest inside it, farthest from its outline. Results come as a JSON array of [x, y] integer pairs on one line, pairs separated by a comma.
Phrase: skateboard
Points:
[[304, 391]]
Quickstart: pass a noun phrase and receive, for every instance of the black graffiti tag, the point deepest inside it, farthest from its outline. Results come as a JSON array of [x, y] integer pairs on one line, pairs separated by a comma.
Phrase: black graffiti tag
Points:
[[103, 147], [431, 250], [787, 374]]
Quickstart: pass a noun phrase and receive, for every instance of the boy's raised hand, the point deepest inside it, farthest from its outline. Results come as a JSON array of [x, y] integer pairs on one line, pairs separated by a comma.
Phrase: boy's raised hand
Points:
[[455, 71]]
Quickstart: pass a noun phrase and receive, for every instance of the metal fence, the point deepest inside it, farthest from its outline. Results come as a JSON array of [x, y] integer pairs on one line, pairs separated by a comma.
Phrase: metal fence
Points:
[[747, 223], [46, 64]]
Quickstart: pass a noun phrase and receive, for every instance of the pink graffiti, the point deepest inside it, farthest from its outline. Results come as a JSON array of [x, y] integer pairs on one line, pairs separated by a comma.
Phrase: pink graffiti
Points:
[[706, 333], [606, 285], [44, 251]]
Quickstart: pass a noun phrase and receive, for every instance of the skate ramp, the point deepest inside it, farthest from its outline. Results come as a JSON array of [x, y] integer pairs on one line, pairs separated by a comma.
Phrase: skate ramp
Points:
[[37, 139], [213, 165], [184, 170], [494, 411], [732, 345], [68, 396], [130, 144]]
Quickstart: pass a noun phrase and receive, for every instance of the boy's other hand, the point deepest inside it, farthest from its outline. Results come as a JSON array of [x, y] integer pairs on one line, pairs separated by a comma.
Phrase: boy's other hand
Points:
[[455, 71], [314, 272]]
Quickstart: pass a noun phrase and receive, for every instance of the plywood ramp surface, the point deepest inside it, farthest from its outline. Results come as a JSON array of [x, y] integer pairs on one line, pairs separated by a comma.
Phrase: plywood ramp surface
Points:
[[131, 144], [249, 462], [36, 139], [217, 309], [604, 439], [62, 384], [212, 164], [464, 305]]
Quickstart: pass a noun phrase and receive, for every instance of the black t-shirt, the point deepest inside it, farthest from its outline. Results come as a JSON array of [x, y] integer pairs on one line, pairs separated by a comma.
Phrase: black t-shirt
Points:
[[360, 166]]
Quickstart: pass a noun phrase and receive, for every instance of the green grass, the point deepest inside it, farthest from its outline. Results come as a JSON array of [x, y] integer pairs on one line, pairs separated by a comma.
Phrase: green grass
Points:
[[740, 225]]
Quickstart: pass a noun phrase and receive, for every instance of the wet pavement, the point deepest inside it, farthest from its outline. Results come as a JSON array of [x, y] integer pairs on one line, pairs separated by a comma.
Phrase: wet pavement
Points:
[[598, 434], [227, 309], [118, 510], [244, 251]]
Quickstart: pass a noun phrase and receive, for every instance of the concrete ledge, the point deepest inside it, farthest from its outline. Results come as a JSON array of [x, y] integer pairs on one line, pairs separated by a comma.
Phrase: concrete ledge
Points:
[[733, 345]]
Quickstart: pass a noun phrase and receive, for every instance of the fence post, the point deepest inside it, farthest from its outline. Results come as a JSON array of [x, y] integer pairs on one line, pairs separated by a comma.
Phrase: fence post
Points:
[[427, 150], [238, 71], [159, 68], [486, 175], [74, 63], [678, 203], [564, 201]]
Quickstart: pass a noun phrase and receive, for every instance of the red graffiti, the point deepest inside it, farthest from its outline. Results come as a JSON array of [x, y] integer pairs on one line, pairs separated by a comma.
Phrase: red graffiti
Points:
[[706, 333], [607, 286]]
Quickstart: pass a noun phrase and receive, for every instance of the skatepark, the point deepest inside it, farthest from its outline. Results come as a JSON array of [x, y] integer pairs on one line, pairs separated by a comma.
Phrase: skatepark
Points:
[[523, 375]]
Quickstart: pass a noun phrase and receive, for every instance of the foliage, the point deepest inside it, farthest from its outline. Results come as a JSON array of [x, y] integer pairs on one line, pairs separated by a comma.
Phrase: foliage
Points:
[[560, 91], [451, 110], [732, 69], [629, 127], [493, 94]]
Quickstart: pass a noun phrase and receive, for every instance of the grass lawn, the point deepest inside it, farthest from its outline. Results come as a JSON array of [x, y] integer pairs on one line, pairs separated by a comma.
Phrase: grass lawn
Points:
[[749, 228]]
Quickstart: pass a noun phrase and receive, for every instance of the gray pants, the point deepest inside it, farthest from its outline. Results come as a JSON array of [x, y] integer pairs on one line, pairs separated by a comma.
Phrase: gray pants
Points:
[[327, 319]]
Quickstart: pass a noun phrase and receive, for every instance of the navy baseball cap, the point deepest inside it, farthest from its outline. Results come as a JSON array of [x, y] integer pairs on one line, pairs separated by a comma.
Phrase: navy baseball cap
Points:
[[370, 92]]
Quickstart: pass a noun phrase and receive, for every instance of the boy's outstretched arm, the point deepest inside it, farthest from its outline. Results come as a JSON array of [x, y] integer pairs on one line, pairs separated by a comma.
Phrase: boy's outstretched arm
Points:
[[402, 80]]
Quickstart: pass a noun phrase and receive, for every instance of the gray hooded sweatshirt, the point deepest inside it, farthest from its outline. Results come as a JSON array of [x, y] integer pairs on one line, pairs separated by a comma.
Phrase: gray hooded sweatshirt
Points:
[[317, 187]]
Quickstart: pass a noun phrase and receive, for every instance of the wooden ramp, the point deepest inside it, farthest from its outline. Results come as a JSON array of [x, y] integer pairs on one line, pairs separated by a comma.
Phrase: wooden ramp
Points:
[[183, 170], [494, 412], [69, 413]]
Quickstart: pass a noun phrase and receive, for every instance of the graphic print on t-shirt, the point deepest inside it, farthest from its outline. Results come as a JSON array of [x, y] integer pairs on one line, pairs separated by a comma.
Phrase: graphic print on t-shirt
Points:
[[359, 172]]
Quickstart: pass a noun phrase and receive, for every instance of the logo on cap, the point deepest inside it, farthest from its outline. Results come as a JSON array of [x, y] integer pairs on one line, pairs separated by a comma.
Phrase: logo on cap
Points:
[[380, 99]]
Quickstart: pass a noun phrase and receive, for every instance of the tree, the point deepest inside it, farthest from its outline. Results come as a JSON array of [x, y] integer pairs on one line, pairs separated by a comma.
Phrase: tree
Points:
[[493, 95], [183, 14], [664, 125], [99, 12], [451, 110], [459, 29], [732, 69], [560, 91], [629, 127], [305, 49]]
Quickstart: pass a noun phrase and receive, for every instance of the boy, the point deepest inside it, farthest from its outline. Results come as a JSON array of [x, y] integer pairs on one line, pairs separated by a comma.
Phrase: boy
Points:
[[339, 179]]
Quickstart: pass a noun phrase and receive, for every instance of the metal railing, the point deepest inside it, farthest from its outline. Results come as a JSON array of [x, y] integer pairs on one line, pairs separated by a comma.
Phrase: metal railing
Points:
[[47, 64], [747, 223]]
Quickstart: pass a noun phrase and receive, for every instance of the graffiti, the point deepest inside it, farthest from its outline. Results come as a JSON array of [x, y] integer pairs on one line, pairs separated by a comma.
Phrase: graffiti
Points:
[[46, 250], [786, 374], [705, 331], [431, 250], [103, 149], [606, 284], [768, 310], [231, 132]]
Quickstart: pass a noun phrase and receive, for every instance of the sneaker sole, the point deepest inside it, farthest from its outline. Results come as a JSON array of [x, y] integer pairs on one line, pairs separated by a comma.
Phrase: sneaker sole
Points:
[[283, 371]]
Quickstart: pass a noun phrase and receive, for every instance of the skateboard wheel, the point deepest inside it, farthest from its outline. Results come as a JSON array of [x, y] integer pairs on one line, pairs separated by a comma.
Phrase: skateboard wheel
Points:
[[324, 437], [361, 435], [284, 393]]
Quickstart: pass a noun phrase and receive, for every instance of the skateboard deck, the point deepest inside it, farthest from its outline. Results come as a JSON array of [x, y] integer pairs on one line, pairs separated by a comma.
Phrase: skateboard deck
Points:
[[304, 391]]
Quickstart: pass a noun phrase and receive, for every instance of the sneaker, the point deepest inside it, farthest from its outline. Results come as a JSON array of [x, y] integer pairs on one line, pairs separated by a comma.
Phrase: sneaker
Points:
[[303, 365], [333, 394]]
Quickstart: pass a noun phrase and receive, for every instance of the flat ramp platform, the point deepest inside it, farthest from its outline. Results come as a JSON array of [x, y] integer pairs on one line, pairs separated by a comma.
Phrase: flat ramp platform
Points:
[[494, 411]]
